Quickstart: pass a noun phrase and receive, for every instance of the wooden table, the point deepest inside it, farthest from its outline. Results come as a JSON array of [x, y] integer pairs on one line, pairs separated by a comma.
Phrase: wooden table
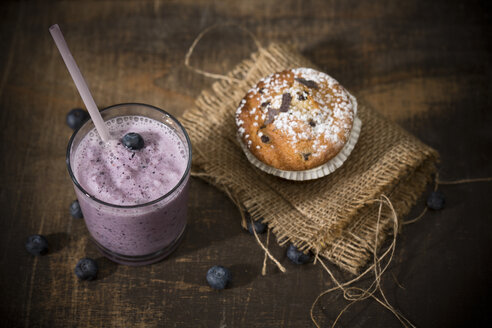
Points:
[[424, 64]]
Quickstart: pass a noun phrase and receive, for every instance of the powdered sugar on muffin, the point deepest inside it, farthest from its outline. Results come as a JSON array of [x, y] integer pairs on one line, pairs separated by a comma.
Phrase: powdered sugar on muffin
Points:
[[296, 119]]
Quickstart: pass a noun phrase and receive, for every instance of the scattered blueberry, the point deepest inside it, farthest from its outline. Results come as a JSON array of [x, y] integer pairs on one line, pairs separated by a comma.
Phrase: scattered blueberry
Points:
[[37, 245], [297, 256], [259, 227], [133, 141], [86, 269], [76, 117], [436, 200], [75, 210], [218, 277]]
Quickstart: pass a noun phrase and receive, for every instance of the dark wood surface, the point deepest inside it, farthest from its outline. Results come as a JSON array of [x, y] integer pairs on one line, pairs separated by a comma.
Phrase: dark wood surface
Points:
[[424, 64]]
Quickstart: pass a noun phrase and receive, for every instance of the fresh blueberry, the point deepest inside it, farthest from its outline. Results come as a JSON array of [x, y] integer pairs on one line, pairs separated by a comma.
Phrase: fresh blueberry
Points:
[[37, 245], [218, 277], [259, 227], [76, 117], [86, 269], [297, 256], [75, 210], [133, 141], [436, 200]]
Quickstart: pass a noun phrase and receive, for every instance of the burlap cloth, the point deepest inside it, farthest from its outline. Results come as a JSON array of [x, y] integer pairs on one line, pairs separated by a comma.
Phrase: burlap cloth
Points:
[[334, 216]]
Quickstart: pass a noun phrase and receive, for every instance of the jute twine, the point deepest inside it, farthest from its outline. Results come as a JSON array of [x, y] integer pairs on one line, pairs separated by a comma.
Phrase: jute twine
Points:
[[355, 294], [344, 217], [438, 182]]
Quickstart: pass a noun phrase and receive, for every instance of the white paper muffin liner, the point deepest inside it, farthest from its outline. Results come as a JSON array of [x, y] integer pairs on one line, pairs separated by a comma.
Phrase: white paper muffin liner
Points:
[[319, 171]]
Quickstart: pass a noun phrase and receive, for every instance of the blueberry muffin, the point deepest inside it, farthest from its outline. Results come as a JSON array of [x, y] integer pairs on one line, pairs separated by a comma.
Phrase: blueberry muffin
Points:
[[296, 120]]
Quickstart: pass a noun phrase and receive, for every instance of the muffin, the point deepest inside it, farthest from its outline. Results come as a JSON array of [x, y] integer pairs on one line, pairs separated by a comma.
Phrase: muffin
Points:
[[296, 120]]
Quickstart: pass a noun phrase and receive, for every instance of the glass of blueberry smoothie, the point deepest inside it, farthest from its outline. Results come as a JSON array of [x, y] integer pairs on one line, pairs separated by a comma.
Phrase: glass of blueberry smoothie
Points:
[[133, 189]]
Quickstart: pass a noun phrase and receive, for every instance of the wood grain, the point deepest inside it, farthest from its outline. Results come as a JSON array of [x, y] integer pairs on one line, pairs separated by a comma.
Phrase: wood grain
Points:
[[423, 64]]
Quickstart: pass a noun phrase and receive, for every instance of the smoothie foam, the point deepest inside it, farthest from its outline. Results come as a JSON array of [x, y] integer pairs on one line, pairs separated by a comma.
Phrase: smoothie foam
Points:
[[116, 175]]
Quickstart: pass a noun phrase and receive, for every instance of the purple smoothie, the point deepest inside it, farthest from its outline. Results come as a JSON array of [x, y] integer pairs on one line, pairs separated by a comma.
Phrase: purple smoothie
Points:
[[137, 221]]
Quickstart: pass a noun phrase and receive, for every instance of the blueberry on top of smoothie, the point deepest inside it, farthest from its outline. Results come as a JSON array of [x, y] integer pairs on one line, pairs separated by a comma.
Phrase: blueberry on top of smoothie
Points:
[[133, 141], [86, 269], [76, 117], [37, 245]]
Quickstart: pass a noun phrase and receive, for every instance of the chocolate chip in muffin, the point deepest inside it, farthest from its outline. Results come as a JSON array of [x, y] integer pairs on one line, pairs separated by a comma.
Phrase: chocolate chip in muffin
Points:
[[272, 112], [265, 139], [306, 156], [286, 99], [266, 103], [308, 83], [312, 123], [301, 96], [261, 90]]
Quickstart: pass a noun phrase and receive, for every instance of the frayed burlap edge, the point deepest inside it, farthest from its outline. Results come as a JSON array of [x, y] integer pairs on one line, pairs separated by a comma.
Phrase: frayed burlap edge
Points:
[[355, 247]]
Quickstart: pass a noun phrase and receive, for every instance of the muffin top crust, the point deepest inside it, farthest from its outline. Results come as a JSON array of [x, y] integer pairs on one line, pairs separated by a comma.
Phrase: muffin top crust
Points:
[[296, 119]]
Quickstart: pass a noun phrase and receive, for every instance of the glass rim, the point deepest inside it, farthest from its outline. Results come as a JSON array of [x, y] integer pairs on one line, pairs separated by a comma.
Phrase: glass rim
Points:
[[157, 200]]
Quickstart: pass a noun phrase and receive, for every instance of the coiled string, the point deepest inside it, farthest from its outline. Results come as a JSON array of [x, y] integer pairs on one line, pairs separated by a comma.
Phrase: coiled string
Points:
[[356, 294]]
